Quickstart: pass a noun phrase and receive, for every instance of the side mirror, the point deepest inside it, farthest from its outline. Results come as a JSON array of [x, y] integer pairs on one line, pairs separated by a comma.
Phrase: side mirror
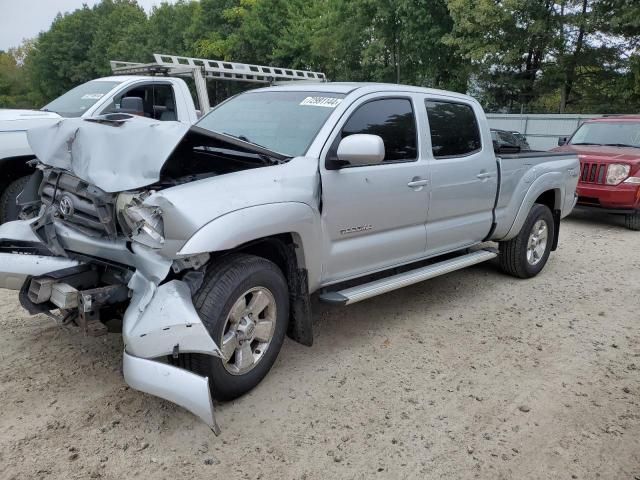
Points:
[[357, 150], [562, 141]]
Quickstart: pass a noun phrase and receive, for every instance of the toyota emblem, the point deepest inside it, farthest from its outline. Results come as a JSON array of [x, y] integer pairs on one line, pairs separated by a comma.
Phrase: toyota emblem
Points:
[[66, 206]]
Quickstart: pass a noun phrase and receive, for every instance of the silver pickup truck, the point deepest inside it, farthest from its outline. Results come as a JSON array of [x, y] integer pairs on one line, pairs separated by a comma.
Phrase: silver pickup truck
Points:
[[207, 241]]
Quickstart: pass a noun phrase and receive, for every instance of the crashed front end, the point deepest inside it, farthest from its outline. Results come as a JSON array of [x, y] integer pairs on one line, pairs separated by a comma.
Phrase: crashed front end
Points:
[[94, 256]]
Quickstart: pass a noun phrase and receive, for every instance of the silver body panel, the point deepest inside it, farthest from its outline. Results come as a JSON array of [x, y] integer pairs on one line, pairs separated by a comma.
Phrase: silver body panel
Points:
[[15, 268], [179, 386], [345, 223]]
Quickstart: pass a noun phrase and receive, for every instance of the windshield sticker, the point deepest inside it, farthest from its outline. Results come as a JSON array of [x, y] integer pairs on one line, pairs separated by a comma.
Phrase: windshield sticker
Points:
[[327, 102], [92, 96]]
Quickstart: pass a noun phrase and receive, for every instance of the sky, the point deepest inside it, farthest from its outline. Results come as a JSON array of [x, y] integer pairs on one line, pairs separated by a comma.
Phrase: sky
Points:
[[20, 19]]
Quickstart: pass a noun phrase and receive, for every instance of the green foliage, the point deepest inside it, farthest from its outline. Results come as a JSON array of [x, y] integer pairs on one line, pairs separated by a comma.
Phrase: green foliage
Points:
[[514, 55], [14, 81]]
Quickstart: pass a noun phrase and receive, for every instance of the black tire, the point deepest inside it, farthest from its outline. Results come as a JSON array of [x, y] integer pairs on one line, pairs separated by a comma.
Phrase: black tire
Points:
[[513, 253], [223, 286], [9, 209], [632, 221]]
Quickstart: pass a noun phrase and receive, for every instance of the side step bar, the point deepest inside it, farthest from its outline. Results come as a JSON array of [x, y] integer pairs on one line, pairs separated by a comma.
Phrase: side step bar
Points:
[[384, 285]]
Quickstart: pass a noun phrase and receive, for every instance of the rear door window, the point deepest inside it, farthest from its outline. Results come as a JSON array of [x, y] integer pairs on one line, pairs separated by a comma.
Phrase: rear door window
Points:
[[393, 120], [454, 129]]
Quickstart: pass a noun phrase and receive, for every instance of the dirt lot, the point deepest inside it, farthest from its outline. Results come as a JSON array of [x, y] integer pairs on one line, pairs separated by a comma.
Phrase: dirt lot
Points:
[[472, 375]]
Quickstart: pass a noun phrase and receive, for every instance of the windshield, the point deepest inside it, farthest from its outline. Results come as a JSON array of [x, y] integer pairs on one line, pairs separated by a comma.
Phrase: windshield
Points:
[[284, 122], [79, 99], [623, 134]]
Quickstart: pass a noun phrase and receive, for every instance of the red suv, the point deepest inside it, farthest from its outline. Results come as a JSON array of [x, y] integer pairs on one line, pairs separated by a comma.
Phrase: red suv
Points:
[[609, 151]]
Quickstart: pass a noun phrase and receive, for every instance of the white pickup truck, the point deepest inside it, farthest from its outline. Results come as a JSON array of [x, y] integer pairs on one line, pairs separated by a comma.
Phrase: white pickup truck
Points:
[[153, 90]]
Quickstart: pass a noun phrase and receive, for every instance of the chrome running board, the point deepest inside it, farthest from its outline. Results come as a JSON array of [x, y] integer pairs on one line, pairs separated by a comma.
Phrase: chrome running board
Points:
[[388, 284]]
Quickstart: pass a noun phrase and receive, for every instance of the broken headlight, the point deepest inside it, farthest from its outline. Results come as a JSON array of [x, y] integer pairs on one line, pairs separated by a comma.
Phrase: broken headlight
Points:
[[142, 223]]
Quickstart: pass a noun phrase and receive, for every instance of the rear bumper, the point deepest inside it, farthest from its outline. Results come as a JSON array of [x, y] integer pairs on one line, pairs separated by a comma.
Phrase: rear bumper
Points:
[[616, 197]]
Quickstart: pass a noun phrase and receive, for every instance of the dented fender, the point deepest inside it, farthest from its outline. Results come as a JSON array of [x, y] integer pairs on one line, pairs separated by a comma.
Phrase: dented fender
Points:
[[242, 226]]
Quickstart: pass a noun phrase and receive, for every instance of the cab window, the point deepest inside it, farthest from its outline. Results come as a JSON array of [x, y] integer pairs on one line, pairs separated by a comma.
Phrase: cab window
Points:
[[157, 102], [454, 129], [393, 120]]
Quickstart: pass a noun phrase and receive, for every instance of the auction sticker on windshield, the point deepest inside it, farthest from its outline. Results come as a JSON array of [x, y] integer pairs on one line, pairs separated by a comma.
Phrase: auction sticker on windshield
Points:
[[328, 102]]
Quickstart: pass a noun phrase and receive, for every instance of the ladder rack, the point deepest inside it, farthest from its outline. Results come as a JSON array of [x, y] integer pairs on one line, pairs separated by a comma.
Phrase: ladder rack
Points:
[[202, 69], [214, 69]]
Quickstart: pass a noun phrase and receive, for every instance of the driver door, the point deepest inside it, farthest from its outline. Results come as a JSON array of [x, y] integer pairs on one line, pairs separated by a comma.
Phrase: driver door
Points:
[[374, 215]]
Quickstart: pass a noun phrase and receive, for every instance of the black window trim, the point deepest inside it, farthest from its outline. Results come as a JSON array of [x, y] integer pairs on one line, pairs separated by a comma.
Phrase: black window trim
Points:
[[445, 157], [333, 150]]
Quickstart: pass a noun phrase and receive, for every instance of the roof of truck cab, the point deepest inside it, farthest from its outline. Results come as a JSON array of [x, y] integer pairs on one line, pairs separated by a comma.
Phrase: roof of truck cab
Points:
[[361, 87], [129, 78]]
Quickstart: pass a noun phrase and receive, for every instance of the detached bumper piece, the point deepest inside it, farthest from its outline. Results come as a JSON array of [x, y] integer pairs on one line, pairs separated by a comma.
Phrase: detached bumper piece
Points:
[[15, 268], [174, 384]]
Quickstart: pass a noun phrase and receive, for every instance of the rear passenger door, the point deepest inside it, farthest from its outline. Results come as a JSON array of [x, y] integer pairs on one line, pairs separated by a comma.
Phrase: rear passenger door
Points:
[[374, 215], [463, 176]]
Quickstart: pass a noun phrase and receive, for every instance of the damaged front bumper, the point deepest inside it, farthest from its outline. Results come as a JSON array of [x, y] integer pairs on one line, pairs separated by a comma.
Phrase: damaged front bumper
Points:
[[159, 321], [179, 386]]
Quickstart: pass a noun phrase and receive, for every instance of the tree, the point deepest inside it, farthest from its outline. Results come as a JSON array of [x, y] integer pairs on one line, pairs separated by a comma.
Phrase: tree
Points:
[[60, 58], [120, 33], [168, 28], [514, 55], [506, 43], [14, 78]]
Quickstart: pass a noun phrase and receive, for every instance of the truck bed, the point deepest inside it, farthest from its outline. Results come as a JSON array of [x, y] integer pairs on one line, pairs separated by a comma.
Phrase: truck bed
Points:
[[524, 174]]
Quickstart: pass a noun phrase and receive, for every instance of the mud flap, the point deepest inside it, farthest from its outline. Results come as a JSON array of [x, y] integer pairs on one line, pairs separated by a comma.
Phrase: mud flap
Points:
[[556, 231], [176, 385]]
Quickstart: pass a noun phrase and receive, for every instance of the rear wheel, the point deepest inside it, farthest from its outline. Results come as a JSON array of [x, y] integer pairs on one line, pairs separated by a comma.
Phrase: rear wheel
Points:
[[9, 209], [244, 304], [525, 255], [632, 221]]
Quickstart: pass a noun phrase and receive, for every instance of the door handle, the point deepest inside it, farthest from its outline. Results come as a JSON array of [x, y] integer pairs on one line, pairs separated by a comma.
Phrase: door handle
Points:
[[418, 183], [484, 175]]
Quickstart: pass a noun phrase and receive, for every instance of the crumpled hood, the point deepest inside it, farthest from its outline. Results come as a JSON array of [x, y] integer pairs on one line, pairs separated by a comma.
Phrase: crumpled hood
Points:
[[11, 120], [113, 156]]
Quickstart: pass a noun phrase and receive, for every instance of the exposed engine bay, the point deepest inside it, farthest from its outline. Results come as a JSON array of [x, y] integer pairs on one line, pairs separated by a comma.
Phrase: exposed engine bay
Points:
[[153, 154]]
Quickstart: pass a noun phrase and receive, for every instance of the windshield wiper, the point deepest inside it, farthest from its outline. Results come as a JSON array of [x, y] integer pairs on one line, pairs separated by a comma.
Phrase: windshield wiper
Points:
[[621, 145], [271, 158], [245, 139], [259, 151], [265, 159], [585, 143]]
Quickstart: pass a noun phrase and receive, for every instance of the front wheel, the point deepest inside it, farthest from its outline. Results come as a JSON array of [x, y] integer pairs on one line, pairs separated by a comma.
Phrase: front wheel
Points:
[[244, 304], [632, 221], [9, 209], [525, 255]]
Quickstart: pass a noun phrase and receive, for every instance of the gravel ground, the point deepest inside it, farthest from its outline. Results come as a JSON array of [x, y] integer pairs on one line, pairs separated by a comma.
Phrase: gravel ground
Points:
[[471, 375]]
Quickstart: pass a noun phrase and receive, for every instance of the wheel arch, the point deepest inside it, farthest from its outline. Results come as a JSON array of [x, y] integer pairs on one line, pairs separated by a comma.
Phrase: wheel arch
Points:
[[283, 233], [284, 251], [553, 199], [546, 190], [13, 168]]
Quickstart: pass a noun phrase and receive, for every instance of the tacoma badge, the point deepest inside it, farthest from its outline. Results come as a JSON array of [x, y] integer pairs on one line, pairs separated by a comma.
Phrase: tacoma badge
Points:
[[361, 228]]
